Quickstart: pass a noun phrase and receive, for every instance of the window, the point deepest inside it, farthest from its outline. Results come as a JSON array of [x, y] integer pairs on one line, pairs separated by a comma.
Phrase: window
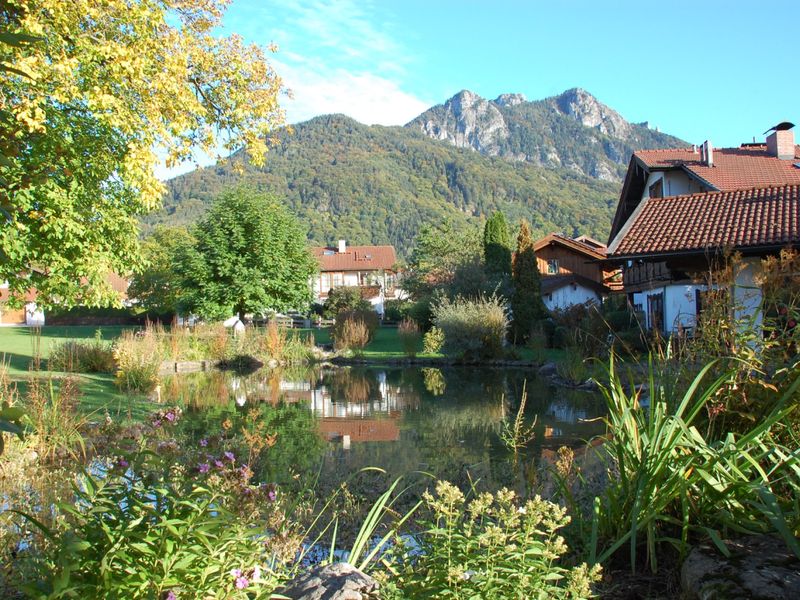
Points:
[[657, 189], [325, 282], [552, 266], [655, 310], [337, 280]]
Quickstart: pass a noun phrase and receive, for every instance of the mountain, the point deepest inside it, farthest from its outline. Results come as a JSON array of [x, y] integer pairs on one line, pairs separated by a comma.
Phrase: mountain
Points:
[[573, 130], [556, 162]]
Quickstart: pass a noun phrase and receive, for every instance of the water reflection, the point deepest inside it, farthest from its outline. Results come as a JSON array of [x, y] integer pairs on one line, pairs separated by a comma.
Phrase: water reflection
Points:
[[443, 421]]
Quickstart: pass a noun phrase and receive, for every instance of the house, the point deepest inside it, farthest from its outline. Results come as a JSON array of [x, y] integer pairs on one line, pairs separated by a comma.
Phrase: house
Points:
[[370, 268], [572, 271], [682, 209], [32, 315]]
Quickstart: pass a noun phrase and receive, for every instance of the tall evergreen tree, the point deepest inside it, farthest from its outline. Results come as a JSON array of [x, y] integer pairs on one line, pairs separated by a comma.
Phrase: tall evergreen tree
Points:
[[526, 302], [497, 245]]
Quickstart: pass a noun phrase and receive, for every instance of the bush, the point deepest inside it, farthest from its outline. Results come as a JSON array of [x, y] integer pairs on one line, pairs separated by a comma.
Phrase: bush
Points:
[[138, 361], [161, 535], [472, 328], [82, 356], [343, 299], [397, 310], [433, 341], [354, 329], [410, 336], [490, 547]]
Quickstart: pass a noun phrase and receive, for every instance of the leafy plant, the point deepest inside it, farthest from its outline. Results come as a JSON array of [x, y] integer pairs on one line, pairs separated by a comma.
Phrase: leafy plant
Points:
[[433, 341], [344, 298], [517, 435], [75, 356], [493, 546]]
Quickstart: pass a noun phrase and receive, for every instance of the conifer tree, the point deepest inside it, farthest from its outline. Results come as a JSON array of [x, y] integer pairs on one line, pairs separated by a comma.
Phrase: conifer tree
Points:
[[497, 245], [526, 302]]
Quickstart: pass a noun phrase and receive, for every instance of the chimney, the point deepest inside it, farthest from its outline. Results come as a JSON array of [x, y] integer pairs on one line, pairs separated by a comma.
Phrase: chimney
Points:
[[342, 246], [707, 154], [781, 144]]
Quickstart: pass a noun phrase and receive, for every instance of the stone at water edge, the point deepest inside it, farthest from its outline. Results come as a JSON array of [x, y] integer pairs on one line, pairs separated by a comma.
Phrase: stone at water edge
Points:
[[339, 581], [759, 568]]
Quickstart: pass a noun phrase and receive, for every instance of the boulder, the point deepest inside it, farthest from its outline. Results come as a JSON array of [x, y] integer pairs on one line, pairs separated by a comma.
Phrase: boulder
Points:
[[339, 581], [760, 567]]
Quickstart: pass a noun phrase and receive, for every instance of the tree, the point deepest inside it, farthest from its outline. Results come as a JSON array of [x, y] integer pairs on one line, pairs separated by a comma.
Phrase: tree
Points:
[[344, 299], [497, 245], [250, 257], [159, 287], [93, 91], [526, 301]]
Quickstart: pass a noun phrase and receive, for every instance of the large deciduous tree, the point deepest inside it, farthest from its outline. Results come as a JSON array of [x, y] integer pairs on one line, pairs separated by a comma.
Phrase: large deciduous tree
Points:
[[159, 287], [497, 245], [92, 93], [526, 300], [250, 257]]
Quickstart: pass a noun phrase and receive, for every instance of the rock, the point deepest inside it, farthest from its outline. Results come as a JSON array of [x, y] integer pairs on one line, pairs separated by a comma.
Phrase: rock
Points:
[[760, 567], [548, 369], [338, 581]]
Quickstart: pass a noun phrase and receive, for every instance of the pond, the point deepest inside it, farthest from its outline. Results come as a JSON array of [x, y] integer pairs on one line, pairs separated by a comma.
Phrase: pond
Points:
[[328, 423]]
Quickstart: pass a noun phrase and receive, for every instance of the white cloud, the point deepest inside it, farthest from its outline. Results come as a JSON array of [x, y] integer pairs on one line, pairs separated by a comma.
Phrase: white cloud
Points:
[[364, 96]]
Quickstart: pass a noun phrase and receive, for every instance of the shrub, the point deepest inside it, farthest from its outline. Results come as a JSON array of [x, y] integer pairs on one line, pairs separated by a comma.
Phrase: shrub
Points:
[[433, 341], [572, 367], [55, 421], [354, 329], [410, 336], [472, 328], [397, 310], [492, 546], [161, 535], [344, 299], [82, 356], [138, 361]]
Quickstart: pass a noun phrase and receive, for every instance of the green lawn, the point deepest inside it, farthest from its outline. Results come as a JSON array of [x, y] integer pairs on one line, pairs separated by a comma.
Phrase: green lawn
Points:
[[98, 392]]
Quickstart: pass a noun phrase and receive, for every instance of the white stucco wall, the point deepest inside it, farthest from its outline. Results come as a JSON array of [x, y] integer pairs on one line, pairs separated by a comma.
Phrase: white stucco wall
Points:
[[747, 294], [676, 183], [680, 305], [565, 297]]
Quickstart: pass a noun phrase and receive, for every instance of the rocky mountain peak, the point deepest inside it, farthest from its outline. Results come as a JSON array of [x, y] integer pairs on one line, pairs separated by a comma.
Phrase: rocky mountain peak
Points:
[[590, 112], [510, 99], [467, 121]]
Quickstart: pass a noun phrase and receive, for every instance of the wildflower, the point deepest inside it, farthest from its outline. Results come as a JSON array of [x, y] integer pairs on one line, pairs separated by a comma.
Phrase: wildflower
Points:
[[272, 495], [522, 510], [122, 463], [219, 464], [241, 583], [170, 595], [203, 443], [229, 456], [170, 416], [236, 573], [203, 467]]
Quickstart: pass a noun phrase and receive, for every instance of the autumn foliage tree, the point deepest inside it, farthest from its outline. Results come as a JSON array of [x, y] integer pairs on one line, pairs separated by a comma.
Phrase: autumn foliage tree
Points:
[[526, 301], [92, 93]]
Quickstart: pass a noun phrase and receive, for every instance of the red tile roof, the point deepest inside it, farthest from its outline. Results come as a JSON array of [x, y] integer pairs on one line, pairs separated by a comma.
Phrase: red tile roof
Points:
[[741, 219], [734, 168], [576, 245], [355, 258]]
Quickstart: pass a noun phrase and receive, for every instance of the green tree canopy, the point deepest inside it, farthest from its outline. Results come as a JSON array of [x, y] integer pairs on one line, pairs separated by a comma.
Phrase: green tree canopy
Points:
[[250, 257], [497, 245], [159, 287], [526, 300], [92, 92]]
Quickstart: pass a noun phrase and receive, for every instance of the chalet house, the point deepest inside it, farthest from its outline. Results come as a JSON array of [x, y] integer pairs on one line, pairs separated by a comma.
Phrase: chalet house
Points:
[[680, 209], [572, 271], [370, 268]]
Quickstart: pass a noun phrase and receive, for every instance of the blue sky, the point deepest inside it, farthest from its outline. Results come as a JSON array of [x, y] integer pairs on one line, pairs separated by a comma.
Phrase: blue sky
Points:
[[719, 70]]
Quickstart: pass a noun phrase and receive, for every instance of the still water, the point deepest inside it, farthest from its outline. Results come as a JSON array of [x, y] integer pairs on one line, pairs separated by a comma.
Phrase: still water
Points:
[[331, 422]]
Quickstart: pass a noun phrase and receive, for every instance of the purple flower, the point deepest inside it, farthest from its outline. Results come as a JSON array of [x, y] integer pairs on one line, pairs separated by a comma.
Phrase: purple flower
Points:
[[203, 443], [122, 463], [219, 464], [241, 583], [170, 596], [203, 467], [170, 416], [157, 423], [229, 456], [272, 495], [236, 573]]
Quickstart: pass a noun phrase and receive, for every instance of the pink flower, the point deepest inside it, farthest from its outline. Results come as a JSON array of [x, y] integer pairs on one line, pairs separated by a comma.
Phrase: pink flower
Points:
[[229, 456], [170, 596], [241, 583], [203, 467], [203, 443]]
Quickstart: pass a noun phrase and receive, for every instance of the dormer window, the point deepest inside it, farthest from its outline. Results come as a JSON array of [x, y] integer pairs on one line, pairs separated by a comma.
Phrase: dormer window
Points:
[[552, 266], [657, 189]]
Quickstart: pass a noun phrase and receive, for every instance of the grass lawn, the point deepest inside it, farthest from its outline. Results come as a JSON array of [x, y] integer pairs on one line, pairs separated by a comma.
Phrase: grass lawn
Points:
[[98, 392]]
